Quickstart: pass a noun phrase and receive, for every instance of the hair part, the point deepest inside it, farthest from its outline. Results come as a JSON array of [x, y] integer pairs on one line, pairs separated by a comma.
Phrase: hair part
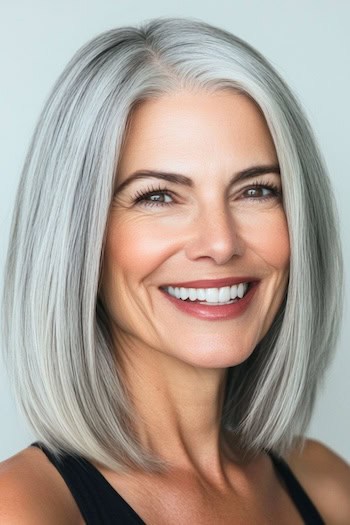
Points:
[[57, 344]]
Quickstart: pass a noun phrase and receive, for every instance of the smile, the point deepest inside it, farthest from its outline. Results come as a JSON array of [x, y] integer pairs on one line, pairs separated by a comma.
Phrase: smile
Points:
[[212, 304], [213, 296]]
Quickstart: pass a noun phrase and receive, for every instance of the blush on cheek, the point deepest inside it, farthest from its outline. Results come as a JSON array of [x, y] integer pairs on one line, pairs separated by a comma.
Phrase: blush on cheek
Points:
[[270, 239], [276, 252], [140, 249]]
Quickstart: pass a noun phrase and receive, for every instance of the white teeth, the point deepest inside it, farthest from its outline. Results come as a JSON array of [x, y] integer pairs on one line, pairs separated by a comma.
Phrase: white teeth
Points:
[[177, 293], [240, 292], [201, 294], [184, 293], [212, 295], [234, 291], [225, 294], [193, 294]]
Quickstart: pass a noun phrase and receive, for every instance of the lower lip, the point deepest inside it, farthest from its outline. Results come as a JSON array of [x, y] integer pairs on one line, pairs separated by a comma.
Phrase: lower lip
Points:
[[214, 312]]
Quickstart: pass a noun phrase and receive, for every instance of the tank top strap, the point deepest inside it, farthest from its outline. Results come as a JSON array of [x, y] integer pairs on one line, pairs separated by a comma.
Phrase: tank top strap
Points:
[[298, 495], [98, 501]]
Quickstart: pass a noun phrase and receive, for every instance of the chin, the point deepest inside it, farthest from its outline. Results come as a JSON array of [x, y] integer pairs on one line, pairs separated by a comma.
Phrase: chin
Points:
[[215, 356]]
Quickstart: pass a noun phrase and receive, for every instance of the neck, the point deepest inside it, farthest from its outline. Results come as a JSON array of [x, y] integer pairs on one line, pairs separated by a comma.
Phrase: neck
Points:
[[179, 409]]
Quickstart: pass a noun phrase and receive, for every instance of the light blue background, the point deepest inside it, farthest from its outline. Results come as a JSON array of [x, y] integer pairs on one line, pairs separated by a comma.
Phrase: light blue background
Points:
[[308, 41]]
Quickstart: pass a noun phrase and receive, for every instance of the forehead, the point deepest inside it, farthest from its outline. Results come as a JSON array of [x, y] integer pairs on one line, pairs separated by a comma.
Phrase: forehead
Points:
[[184, 126]]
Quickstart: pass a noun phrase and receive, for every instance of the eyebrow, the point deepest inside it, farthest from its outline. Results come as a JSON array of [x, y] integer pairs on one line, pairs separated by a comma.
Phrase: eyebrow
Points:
[[177, 178]]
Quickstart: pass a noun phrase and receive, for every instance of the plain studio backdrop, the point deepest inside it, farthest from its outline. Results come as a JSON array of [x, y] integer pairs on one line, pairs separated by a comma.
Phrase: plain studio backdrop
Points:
[[308, 41]]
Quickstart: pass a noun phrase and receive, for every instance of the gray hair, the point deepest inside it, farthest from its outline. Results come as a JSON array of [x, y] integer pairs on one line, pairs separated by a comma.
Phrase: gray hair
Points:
[[57, 342]]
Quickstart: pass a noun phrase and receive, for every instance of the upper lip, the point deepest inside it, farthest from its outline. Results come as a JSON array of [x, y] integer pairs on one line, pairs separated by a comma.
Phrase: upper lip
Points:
[[212, 283]]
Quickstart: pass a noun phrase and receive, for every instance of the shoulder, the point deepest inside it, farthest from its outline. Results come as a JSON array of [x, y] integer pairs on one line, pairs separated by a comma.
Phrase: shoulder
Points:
[[33, 492], [325, 476]]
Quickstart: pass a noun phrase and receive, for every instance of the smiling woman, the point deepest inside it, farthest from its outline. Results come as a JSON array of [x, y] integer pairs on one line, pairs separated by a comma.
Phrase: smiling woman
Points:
[[165, 327], [206, 235]]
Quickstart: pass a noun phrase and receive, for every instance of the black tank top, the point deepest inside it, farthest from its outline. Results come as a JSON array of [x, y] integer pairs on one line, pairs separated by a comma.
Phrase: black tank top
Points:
[[100, 504]]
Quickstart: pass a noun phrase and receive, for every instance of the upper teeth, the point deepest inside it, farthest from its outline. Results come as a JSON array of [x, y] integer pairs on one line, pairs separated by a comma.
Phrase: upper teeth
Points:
[[210, 295]]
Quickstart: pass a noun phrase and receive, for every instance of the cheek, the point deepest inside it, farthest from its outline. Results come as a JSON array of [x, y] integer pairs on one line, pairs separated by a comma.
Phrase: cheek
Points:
[[270, 240], [137, 247]]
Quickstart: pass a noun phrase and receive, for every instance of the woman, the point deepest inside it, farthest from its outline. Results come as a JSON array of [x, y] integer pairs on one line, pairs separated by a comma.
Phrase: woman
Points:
[[165, 321]]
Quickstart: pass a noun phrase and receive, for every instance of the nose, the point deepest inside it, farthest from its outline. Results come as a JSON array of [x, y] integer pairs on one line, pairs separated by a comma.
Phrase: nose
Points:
[[214, 235]]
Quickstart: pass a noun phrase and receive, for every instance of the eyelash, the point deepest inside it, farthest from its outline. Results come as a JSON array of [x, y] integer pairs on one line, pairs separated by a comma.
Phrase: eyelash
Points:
[[142, 195]]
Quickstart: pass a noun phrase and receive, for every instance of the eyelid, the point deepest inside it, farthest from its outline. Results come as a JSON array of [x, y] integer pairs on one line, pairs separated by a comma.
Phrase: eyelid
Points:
[[149, 191], [275, 191], [140, 198], [261, 180], [263, 184]]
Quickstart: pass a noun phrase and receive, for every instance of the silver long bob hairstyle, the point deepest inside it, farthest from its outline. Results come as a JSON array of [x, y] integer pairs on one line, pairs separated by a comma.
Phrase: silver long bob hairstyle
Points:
[[57, 344]]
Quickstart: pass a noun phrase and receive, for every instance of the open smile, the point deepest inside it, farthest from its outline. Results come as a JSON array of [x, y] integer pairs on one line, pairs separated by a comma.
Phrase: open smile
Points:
[[225, 302], [222, 295]]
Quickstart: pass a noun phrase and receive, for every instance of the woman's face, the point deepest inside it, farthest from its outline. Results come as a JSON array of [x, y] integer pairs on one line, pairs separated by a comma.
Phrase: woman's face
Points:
[[216, 221]]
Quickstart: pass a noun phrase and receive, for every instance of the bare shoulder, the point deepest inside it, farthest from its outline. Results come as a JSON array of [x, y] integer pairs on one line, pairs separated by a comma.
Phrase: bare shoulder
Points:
[[33, 492], [325, 476]]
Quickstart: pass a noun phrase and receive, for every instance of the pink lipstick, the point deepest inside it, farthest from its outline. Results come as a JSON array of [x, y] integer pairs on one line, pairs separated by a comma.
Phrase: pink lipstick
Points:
[[214, 312]]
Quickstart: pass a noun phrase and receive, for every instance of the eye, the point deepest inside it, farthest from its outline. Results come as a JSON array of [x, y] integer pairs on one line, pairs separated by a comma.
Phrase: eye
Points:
[[160, 197], [262, 191], [154, 197]]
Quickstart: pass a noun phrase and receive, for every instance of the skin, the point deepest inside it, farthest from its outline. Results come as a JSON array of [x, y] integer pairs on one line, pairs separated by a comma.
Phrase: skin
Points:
[[175, 365]]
